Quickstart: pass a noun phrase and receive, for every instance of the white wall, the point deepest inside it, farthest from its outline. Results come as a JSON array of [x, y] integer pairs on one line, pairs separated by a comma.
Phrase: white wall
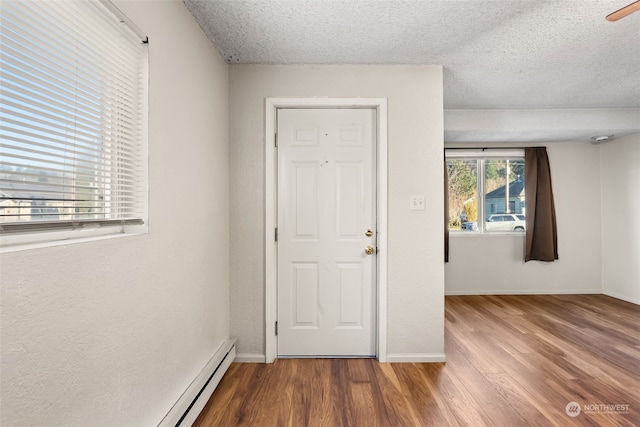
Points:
[[110, 333], [620, 171], [416, 272], [485, 264]]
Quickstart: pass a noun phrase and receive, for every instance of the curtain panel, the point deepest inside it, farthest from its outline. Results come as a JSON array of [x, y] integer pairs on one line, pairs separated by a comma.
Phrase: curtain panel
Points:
[[541, 235], [446, 212]]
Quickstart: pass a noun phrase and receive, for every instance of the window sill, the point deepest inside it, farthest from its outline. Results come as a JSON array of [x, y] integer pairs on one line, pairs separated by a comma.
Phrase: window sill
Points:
[[465, 234], [30, 241]]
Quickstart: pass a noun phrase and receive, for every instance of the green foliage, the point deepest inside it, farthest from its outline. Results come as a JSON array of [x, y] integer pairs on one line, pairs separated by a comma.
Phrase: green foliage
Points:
[[493, 169], [463, 179]]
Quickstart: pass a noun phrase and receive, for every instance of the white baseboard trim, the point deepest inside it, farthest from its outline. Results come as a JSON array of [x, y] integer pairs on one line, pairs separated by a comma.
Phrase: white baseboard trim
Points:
[[525, 292], [416, 358], [250, 358], [185, 411], [621, 297], [392, 358]]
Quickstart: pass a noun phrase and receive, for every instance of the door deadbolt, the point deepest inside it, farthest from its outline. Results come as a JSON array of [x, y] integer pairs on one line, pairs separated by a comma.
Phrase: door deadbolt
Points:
[[368, 233], [369, 250]]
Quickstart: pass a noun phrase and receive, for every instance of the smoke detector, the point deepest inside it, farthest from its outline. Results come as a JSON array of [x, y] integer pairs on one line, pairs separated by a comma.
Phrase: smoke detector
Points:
[[601, 138]]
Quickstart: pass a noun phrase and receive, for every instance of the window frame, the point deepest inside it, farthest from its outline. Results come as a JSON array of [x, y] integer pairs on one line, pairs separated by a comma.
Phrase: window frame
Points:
[[481, 155], [17, 235]]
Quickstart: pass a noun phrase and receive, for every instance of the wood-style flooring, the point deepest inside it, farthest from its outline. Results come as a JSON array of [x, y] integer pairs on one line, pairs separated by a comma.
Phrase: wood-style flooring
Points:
[[511, 361]]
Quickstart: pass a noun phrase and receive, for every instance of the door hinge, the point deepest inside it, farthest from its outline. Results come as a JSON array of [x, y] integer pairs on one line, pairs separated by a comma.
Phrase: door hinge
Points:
[[276, 139], [276, 328], [276, 234]]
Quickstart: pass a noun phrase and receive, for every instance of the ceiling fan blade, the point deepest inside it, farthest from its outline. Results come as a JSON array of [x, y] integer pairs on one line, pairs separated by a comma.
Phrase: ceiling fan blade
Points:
[[627, 10]]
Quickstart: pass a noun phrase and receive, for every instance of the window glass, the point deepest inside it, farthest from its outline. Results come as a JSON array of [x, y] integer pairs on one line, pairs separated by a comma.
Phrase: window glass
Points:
[[463, 194], [500, 181], [504, 193]]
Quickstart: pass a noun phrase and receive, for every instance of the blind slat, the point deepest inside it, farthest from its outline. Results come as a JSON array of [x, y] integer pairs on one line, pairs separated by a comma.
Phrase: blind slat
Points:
[[59, 187], [59, 45], [81, 140], [24, 70], [45, 156], [71, 146], [28, 113], [65, 108], [70, 105]]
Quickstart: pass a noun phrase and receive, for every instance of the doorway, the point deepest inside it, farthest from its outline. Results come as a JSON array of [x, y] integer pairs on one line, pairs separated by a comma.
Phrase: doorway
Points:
[[357, 290]]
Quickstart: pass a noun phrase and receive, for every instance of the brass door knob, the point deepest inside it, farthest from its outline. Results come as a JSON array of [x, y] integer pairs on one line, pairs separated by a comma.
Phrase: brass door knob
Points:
[[369, 250], [368, 233]]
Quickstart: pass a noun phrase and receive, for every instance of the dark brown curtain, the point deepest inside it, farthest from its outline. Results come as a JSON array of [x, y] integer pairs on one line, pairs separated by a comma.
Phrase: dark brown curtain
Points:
[[542, 236], [446, 212]]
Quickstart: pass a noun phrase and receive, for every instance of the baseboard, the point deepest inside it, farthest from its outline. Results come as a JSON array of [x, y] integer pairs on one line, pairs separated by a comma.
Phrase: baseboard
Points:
[[416, 358], [185, 411], [621, 297], [250, 358], [391, 358], [525, 292]]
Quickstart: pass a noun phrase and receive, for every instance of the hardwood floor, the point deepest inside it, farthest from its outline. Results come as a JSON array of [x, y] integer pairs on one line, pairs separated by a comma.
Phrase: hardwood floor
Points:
[[511, 361]]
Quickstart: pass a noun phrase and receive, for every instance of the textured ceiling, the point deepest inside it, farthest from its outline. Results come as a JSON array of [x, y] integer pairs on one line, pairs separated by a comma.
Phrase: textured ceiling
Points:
[[497, 54]]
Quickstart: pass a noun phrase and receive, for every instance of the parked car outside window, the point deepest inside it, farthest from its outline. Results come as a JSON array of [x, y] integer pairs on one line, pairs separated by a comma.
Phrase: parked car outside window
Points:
[[506, 222]]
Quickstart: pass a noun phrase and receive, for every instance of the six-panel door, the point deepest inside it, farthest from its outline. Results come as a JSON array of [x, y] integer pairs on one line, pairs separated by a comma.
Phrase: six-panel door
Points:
[[326, 204]]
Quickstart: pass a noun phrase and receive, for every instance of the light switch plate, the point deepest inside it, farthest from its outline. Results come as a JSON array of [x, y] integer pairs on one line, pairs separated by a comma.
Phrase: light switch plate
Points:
[[416, 203]]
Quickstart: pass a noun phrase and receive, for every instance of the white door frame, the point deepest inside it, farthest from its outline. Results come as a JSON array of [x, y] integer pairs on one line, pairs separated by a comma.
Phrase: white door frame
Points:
[[271, 211]]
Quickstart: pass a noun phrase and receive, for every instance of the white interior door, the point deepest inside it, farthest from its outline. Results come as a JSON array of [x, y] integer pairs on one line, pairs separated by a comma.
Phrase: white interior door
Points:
[[326, 221]]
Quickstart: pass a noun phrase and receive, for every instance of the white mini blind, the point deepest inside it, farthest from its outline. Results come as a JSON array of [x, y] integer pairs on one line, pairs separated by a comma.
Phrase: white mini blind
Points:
[[72, 116]]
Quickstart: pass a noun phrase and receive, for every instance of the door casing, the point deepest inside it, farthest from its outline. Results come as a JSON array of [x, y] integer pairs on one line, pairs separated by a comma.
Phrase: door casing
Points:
[[271, 212]]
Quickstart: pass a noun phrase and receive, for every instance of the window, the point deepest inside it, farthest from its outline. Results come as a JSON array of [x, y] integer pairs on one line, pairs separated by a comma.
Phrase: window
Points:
[[73, 117], [486, 191]]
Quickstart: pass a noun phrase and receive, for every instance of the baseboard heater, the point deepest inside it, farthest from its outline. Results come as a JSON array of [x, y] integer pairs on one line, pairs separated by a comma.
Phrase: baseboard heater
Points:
[[188, 407]]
